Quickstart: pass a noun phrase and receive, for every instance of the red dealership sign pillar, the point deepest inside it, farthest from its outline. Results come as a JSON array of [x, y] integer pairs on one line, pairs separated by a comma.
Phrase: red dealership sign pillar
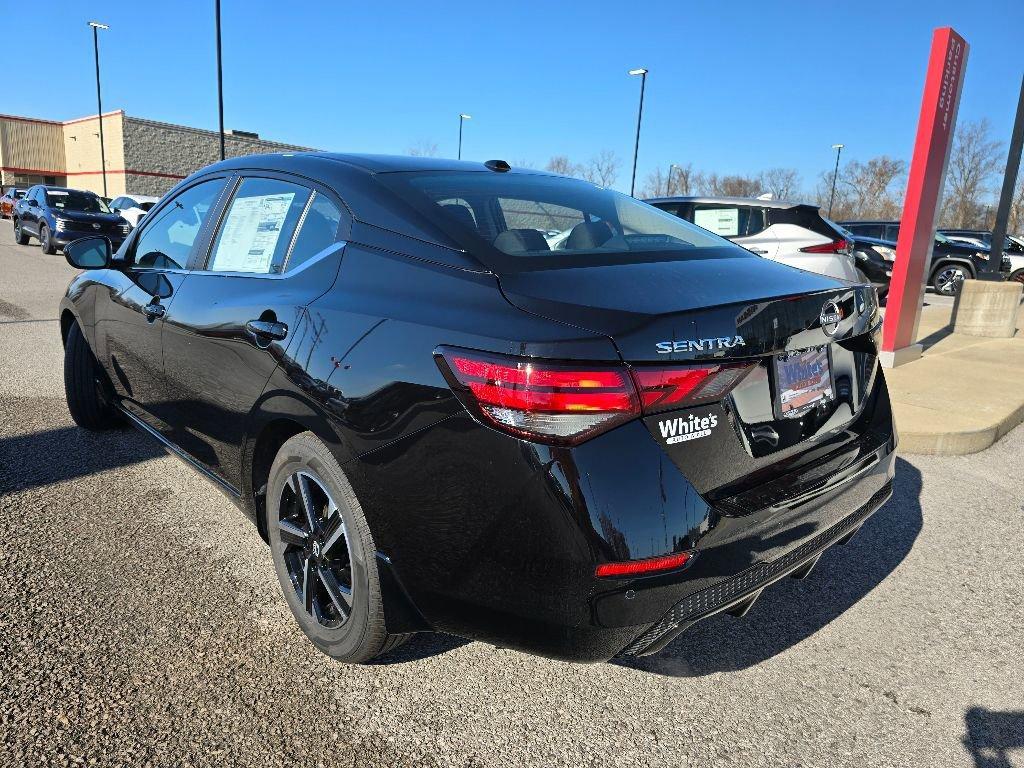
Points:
[[939, 105]]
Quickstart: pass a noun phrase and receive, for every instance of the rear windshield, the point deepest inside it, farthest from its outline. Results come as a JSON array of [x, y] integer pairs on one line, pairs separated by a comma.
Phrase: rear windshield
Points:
[[521, 221], [74, 200]]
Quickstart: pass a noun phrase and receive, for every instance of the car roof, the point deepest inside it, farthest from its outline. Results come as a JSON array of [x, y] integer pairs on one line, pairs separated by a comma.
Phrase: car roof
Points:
[[781, 204], [370, 164]]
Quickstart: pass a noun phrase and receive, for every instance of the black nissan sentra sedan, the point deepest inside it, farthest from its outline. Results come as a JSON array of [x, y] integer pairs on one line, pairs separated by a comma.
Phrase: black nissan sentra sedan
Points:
[[496, 403]]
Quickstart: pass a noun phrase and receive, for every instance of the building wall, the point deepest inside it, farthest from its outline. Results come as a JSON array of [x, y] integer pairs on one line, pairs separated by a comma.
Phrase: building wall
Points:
[[158, 155], [143, 157], [82, 153], [29, 150]]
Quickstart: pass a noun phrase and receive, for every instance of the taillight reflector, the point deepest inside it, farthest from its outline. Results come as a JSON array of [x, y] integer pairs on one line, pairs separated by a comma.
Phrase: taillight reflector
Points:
[[836, 246], [644, 567], [662, 389]]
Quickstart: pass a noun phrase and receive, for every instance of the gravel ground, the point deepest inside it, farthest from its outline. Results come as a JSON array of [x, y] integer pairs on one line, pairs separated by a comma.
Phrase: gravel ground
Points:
[[143, 626]]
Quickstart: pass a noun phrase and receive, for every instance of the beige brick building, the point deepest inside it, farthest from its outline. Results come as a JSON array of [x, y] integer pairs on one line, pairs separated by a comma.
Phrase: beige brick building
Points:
[[143, 157]]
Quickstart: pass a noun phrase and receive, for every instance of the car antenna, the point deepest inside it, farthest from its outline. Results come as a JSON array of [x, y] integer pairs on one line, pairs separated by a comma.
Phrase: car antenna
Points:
[[500, 166]]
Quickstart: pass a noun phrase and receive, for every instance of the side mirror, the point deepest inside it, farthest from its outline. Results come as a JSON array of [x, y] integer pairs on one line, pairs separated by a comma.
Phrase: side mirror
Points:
[[33, 203], [88, 253]]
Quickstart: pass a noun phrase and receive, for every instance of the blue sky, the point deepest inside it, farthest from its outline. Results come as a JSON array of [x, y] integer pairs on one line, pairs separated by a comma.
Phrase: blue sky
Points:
[[733, 88]]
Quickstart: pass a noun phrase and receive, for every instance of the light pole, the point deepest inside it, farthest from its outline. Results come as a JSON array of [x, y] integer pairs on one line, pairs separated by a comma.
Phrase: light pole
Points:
[[668, 186], [462, 118], [835, 175], [96, 27], [220, 81], [639, 116]]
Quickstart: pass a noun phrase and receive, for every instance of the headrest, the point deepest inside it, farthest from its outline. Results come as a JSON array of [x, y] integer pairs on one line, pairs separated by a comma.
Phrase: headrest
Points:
[[460, 213], [587, 235], [519, 240]]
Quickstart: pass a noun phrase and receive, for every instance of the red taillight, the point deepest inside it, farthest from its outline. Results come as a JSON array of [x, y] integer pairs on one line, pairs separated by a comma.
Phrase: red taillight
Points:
[[662, 389], [555, 403], [836, 246], [644, 567], [566, 403]]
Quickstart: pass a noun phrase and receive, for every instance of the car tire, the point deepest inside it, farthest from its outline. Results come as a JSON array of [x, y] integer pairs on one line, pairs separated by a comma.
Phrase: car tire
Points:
[[947, 278], [1017, 277], [85, 385], [324, 553], [20, 235], [46, 241]]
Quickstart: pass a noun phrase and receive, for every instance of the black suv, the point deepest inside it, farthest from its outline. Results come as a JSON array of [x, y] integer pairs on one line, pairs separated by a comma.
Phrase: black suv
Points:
[[441, 423], [952, 261], [57, 216]]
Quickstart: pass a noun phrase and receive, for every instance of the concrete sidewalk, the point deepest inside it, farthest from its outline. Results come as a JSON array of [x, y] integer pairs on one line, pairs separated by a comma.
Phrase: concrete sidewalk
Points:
[[963, 394]]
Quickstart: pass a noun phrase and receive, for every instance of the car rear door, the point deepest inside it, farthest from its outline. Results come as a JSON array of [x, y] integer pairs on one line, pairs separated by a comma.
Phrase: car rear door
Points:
[[275, 250], [144, 284]]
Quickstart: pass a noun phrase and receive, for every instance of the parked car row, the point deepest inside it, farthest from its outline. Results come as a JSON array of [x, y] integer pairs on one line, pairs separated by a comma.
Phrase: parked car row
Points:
[[953, 260], [57, 216]]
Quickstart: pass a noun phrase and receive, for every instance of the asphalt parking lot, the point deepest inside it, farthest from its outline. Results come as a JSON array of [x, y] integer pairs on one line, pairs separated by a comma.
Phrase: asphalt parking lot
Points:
[[142, 625]]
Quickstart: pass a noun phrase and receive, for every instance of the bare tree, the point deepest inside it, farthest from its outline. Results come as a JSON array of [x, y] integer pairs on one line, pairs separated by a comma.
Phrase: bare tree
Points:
[[731, 185], [974, 161], [782, 183], [1015, 226], [602, 169], [868, 190], [562, 165], [675, 180], [522, 163], [424, 148]]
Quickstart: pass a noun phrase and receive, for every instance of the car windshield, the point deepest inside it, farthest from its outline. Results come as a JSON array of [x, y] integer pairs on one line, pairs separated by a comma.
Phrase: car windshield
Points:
[[75, 200], [18, 194], [523, 221]]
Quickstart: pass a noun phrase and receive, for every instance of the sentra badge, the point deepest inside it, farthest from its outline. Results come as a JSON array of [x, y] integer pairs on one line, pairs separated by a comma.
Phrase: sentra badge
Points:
[[683, 428], [700, 345]]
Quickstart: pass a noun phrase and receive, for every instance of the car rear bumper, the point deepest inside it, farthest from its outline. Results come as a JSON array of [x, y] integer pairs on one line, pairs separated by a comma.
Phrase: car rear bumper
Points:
[[497, 539]]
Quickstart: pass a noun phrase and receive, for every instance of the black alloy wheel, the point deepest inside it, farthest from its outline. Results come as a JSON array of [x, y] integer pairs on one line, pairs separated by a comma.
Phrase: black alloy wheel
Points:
[[45, 241], [317, 552], [324, 553], [20, 237], [949, 278]]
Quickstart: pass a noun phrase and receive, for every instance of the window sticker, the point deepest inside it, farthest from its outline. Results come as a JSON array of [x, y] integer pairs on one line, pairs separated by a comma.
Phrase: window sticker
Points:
[[721, 221], [251, 231]]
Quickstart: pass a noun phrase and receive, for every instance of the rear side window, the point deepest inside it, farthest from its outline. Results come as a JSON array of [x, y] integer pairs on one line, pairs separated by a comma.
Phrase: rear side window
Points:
[[257, 229], [167, 239], [892, 232], [318, 230], [729, 221]]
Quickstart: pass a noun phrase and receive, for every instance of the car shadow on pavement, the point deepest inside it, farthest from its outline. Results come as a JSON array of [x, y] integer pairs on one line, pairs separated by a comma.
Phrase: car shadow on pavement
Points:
[[55, 455], [422, 646], [791, 611], [991, 735]]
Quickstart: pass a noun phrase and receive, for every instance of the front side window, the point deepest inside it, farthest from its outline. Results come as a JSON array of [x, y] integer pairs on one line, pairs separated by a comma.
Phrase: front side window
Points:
[[527, 221], [74, 200], [167, 240], [257, 229]]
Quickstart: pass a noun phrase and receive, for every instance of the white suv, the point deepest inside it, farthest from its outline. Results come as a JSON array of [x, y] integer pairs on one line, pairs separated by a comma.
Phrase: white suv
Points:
[[133, 207], [792, 233]]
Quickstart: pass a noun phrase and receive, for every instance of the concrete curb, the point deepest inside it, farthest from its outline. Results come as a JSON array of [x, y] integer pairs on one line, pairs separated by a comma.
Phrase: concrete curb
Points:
[[958, 443]]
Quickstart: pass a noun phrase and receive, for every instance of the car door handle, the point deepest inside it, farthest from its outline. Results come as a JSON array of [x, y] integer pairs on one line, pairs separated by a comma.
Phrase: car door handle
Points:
[[266, 330], [153, 311], [757, 250]]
